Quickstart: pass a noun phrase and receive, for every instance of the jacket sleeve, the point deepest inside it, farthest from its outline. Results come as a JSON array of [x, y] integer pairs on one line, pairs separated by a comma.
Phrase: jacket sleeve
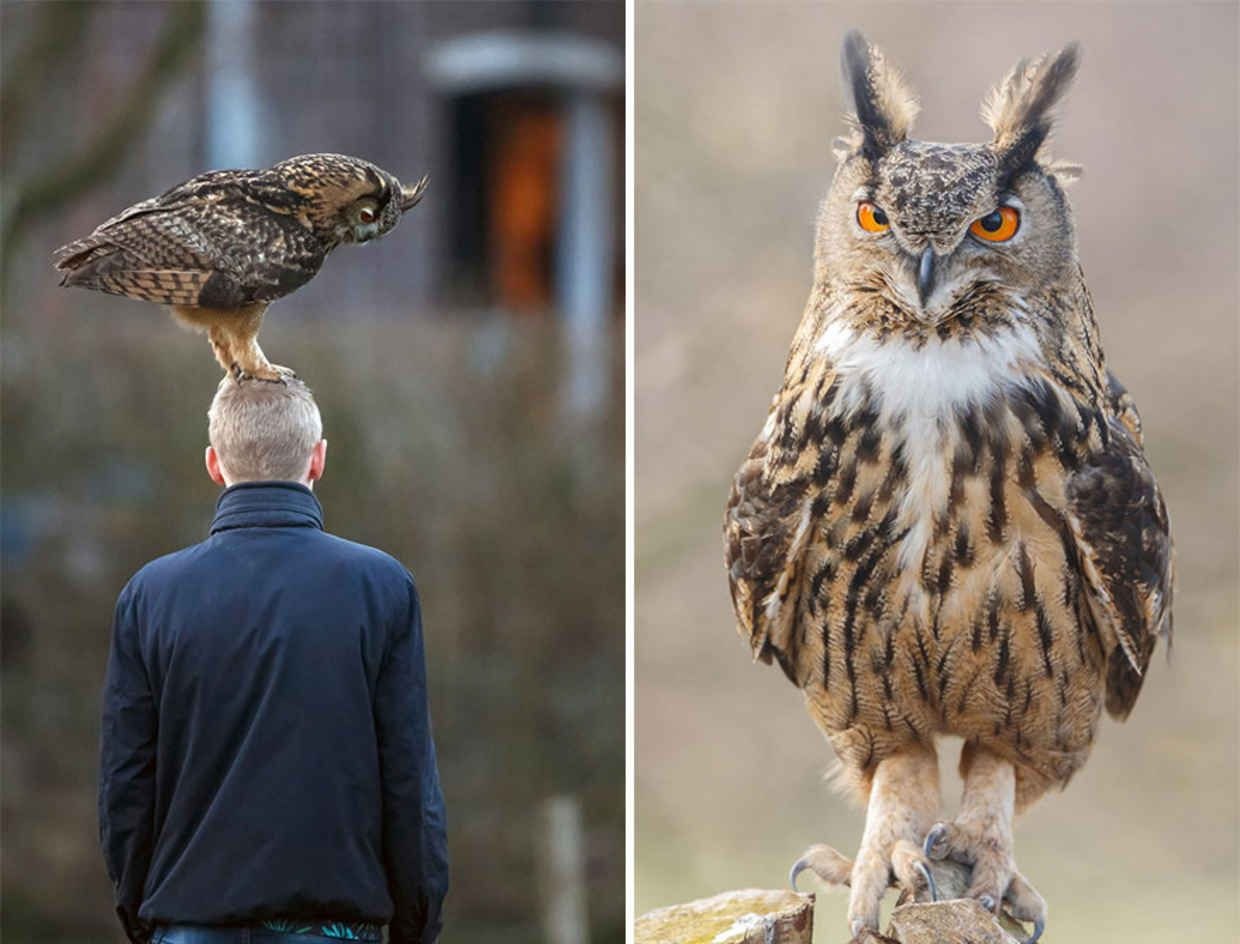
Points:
[[127, 770], [414, 838]]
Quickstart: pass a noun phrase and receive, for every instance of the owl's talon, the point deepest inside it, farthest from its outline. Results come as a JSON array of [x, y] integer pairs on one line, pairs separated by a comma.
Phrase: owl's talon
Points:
[[799, 866], [929, 877], [826, 863], [936, 845], [1025, 905], [272, 373], [995, 883], [279, 374]]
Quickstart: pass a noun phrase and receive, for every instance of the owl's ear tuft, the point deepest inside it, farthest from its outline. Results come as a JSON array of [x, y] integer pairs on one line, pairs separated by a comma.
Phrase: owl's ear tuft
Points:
[[883, 106], [845, 146], [1020, 109]]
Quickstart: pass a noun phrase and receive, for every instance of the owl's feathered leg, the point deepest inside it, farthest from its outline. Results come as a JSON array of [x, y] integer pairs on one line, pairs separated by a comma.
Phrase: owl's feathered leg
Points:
[[233, 333], [903, 802], [981, 837], [234, 340]]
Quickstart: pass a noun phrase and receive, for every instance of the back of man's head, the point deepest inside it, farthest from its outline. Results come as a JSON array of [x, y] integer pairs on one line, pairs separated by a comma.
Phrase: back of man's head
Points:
[[264, 431]]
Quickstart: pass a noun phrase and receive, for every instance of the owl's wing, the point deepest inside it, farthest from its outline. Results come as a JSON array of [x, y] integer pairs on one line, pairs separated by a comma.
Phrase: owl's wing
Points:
[[766, 530], [218, 252], [757, 534], [1119, 520], [204, 189], [1125, 407]]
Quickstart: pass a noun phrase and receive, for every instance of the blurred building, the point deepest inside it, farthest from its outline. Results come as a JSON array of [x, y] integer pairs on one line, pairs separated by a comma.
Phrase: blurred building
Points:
[[515, 109]]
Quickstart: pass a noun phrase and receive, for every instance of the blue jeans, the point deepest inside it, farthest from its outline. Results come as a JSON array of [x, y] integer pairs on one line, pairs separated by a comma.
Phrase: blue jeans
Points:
[[206, 934]]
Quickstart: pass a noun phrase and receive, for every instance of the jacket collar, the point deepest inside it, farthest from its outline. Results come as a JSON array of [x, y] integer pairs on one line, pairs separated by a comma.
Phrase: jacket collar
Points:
[[267, 505]]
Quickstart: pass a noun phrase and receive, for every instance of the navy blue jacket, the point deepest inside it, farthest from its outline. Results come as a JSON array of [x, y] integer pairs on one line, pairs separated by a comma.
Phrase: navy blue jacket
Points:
[[266, 745]]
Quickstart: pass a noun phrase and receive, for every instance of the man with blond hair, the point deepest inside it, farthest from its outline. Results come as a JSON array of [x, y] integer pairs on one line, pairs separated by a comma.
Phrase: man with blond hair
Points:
[[267, 767]]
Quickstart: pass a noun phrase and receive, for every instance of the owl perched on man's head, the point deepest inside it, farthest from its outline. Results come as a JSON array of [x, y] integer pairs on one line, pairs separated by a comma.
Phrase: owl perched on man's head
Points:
[[947, 524], [223, 245]]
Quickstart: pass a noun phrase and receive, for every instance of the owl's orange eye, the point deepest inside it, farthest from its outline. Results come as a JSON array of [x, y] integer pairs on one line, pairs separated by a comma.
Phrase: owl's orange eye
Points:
[[366, 215], [871, 219], [997, 227]]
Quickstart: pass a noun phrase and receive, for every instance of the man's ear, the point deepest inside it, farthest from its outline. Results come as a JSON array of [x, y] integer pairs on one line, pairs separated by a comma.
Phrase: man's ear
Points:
[[212, 459], [318, 461]]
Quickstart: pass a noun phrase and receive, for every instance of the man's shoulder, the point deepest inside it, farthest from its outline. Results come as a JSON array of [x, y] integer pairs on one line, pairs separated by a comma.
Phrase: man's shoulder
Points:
[[203, 559], [378, 562], [165, 567]]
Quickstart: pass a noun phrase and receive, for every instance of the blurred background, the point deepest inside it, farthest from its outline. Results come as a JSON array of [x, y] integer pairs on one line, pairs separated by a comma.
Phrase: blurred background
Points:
[[469, 370], [736, 109]]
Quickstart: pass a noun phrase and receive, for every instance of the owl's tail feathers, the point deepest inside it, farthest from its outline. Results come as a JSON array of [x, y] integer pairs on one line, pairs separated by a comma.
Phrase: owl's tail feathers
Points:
[[77, 257], [86, 263], [91, 265]]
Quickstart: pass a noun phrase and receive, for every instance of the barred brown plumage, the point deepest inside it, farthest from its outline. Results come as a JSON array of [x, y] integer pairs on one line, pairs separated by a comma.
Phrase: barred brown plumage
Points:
[[947, 525], [221, 246]]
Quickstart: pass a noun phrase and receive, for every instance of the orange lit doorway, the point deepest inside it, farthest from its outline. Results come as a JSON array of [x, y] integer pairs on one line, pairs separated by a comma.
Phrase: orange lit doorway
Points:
[[508, 148]]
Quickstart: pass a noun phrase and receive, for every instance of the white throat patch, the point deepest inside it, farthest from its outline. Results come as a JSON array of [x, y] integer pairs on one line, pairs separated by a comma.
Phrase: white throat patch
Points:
[[930, 381], [915, 390]]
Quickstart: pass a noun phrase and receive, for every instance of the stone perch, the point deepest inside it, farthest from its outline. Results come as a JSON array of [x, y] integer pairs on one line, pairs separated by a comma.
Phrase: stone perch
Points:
[[750, 916], [757, 916]]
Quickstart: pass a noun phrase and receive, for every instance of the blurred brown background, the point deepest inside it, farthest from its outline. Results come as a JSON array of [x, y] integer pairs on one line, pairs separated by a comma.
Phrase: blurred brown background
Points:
[[468, 369], [736, 109]]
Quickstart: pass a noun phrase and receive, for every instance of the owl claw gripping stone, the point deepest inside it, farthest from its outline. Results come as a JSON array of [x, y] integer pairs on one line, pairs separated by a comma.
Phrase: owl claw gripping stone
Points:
[[219, 248]]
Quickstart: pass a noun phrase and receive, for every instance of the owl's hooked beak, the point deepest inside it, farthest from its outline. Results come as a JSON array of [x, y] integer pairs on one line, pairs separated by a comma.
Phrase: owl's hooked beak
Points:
[[925, 275], [409, 196]]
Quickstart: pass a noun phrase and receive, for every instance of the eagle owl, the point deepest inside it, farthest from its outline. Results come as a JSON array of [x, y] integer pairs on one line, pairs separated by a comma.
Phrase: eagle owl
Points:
[[222, 246], [947, 524]]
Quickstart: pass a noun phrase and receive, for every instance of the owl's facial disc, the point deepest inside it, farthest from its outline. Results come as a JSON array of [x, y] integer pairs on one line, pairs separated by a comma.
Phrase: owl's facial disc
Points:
[[914, 206], [928, 264]]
